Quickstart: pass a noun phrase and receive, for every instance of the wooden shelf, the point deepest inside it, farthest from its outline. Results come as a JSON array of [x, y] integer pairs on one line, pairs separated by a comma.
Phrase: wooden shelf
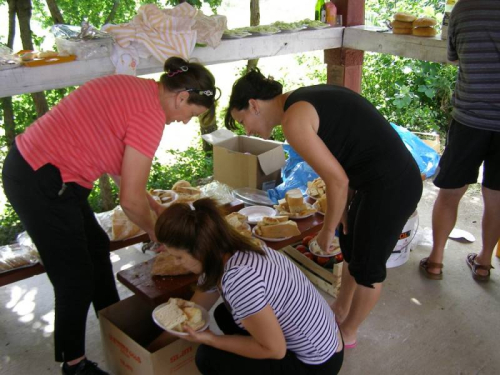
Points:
[[26, 80], [369, 38]]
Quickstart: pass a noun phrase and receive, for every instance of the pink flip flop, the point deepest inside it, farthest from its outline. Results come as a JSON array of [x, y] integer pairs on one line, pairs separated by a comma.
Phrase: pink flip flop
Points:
[[351, 346]]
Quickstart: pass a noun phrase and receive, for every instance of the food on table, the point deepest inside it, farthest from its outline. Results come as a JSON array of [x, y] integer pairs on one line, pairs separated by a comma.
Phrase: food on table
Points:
[[316, 188], [292, 26], [321, 204], [165, 265], [177, 313], [239, 222], [163, 196], [313, 23], [293, 205], [276, 227], [185, 192], [402, 23]]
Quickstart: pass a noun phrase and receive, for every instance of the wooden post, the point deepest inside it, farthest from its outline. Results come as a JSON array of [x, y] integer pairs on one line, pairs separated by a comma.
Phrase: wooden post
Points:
[[343, 64]]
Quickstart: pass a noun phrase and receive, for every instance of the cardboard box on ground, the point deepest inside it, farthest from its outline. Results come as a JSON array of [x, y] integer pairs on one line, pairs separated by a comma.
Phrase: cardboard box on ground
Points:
[[241, 161], [127, 328]]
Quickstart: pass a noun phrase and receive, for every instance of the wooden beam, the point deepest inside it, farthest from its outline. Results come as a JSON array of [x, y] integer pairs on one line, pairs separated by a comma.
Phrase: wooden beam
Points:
[[369, 38], [25, 79]]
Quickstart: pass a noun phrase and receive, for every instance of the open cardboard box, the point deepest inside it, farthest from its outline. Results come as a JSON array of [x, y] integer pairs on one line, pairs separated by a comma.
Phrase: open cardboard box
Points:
[[241, 161], [127, 328]]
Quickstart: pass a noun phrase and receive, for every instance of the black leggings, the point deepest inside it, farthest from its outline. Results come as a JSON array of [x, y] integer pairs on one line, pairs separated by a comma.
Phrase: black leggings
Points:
[[73, 247], [211, 361]]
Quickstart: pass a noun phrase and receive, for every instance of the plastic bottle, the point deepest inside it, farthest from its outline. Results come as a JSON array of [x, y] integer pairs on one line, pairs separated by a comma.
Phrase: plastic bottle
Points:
[[331, 13], [320, 11]]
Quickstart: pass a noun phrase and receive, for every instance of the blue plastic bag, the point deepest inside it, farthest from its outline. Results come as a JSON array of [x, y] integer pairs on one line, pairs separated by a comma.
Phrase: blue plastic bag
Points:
[[425, 156], [294, 174]]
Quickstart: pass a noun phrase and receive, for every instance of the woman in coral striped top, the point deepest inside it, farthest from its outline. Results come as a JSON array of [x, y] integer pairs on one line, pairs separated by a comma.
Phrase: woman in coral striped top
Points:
[[111, 125]]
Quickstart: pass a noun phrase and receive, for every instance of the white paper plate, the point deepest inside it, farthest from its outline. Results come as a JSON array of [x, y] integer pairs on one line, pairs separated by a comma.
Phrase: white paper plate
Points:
[[267, 238], [316, 206], [256, 213], [204, 313], [290, 216]]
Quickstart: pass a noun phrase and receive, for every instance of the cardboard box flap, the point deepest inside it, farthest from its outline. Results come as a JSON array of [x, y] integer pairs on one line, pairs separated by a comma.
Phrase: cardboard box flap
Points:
[[272, 160], [218, 136]]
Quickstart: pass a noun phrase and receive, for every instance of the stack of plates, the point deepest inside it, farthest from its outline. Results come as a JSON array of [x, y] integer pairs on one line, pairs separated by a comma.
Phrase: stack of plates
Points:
[[252, 197]]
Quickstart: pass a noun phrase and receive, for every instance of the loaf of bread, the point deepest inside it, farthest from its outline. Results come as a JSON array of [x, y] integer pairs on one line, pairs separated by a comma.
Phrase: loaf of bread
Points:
[[404, 17], [424, 31], [165, 265], [401, 25], [424, 22], [295, 201], [121, 226], [402, 31], [276, 227], [239, 222]]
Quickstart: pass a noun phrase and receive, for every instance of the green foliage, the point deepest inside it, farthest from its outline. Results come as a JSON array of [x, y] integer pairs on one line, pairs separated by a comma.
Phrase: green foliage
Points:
[[379, 11], [11, 226], [413, 93], [190, 165]]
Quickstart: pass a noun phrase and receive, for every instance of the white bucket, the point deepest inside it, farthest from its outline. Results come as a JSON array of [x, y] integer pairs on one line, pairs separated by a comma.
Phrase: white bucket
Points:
[[401, 252]]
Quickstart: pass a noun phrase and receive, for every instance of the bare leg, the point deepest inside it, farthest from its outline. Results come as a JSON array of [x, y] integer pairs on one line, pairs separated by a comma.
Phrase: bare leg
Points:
[[491, 227], [362, 303], [342, 303], [444, 217]]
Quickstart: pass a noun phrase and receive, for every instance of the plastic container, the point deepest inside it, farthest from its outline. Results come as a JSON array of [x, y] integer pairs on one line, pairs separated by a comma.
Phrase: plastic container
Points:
[[85, 49], [401, 252]]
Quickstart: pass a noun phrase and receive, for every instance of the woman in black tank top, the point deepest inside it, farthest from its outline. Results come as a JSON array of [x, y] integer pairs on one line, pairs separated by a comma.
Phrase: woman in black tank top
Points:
[[373, 183]]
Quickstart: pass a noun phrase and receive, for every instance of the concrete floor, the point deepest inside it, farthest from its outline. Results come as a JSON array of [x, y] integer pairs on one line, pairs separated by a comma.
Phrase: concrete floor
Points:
[[419, 326]]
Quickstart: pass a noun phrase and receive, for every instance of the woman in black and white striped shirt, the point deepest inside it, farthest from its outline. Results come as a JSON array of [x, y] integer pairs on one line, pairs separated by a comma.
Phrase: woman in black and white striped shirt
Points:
[[274, 320]]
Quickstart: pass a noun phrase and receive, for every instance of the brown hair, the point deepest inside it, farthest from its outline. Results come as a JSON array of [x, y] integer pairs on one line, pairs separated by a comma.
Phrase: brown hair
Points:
[[192, 77], [205, 234]]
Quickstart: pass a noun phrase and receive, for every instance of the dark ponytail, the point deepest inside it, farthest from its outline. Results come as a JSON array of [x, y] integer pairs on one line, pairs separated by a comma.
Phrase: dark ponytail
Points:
[[195, 78], [204, 233], [253, 85]]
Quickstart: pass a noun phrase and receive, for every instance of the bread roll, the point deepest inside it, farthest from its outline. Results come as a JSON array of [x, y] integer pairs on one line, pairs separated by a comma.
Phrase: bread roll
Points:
[[401, 25], [322, 204], [402, 31], [424, 31], [404, 17], [424, 22]]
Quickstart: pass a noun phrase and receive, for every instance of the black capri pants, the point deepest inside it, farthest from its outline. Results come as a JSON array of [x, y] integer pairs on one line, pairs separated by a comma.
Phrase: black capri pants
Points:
[[375, 219], [73, 247], [211, 361]]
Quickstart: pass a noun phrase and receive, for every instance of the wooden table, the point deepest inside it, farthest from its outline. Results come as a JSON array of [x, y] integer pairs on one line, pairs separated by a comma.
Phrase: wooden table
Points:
[[158, 289], [18, 274]]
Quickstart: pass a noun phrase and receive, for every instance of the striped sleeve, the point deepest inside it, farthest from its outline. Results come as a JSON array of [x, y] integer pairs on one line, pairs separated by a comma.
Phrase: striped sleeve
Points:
[[244, 290]]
